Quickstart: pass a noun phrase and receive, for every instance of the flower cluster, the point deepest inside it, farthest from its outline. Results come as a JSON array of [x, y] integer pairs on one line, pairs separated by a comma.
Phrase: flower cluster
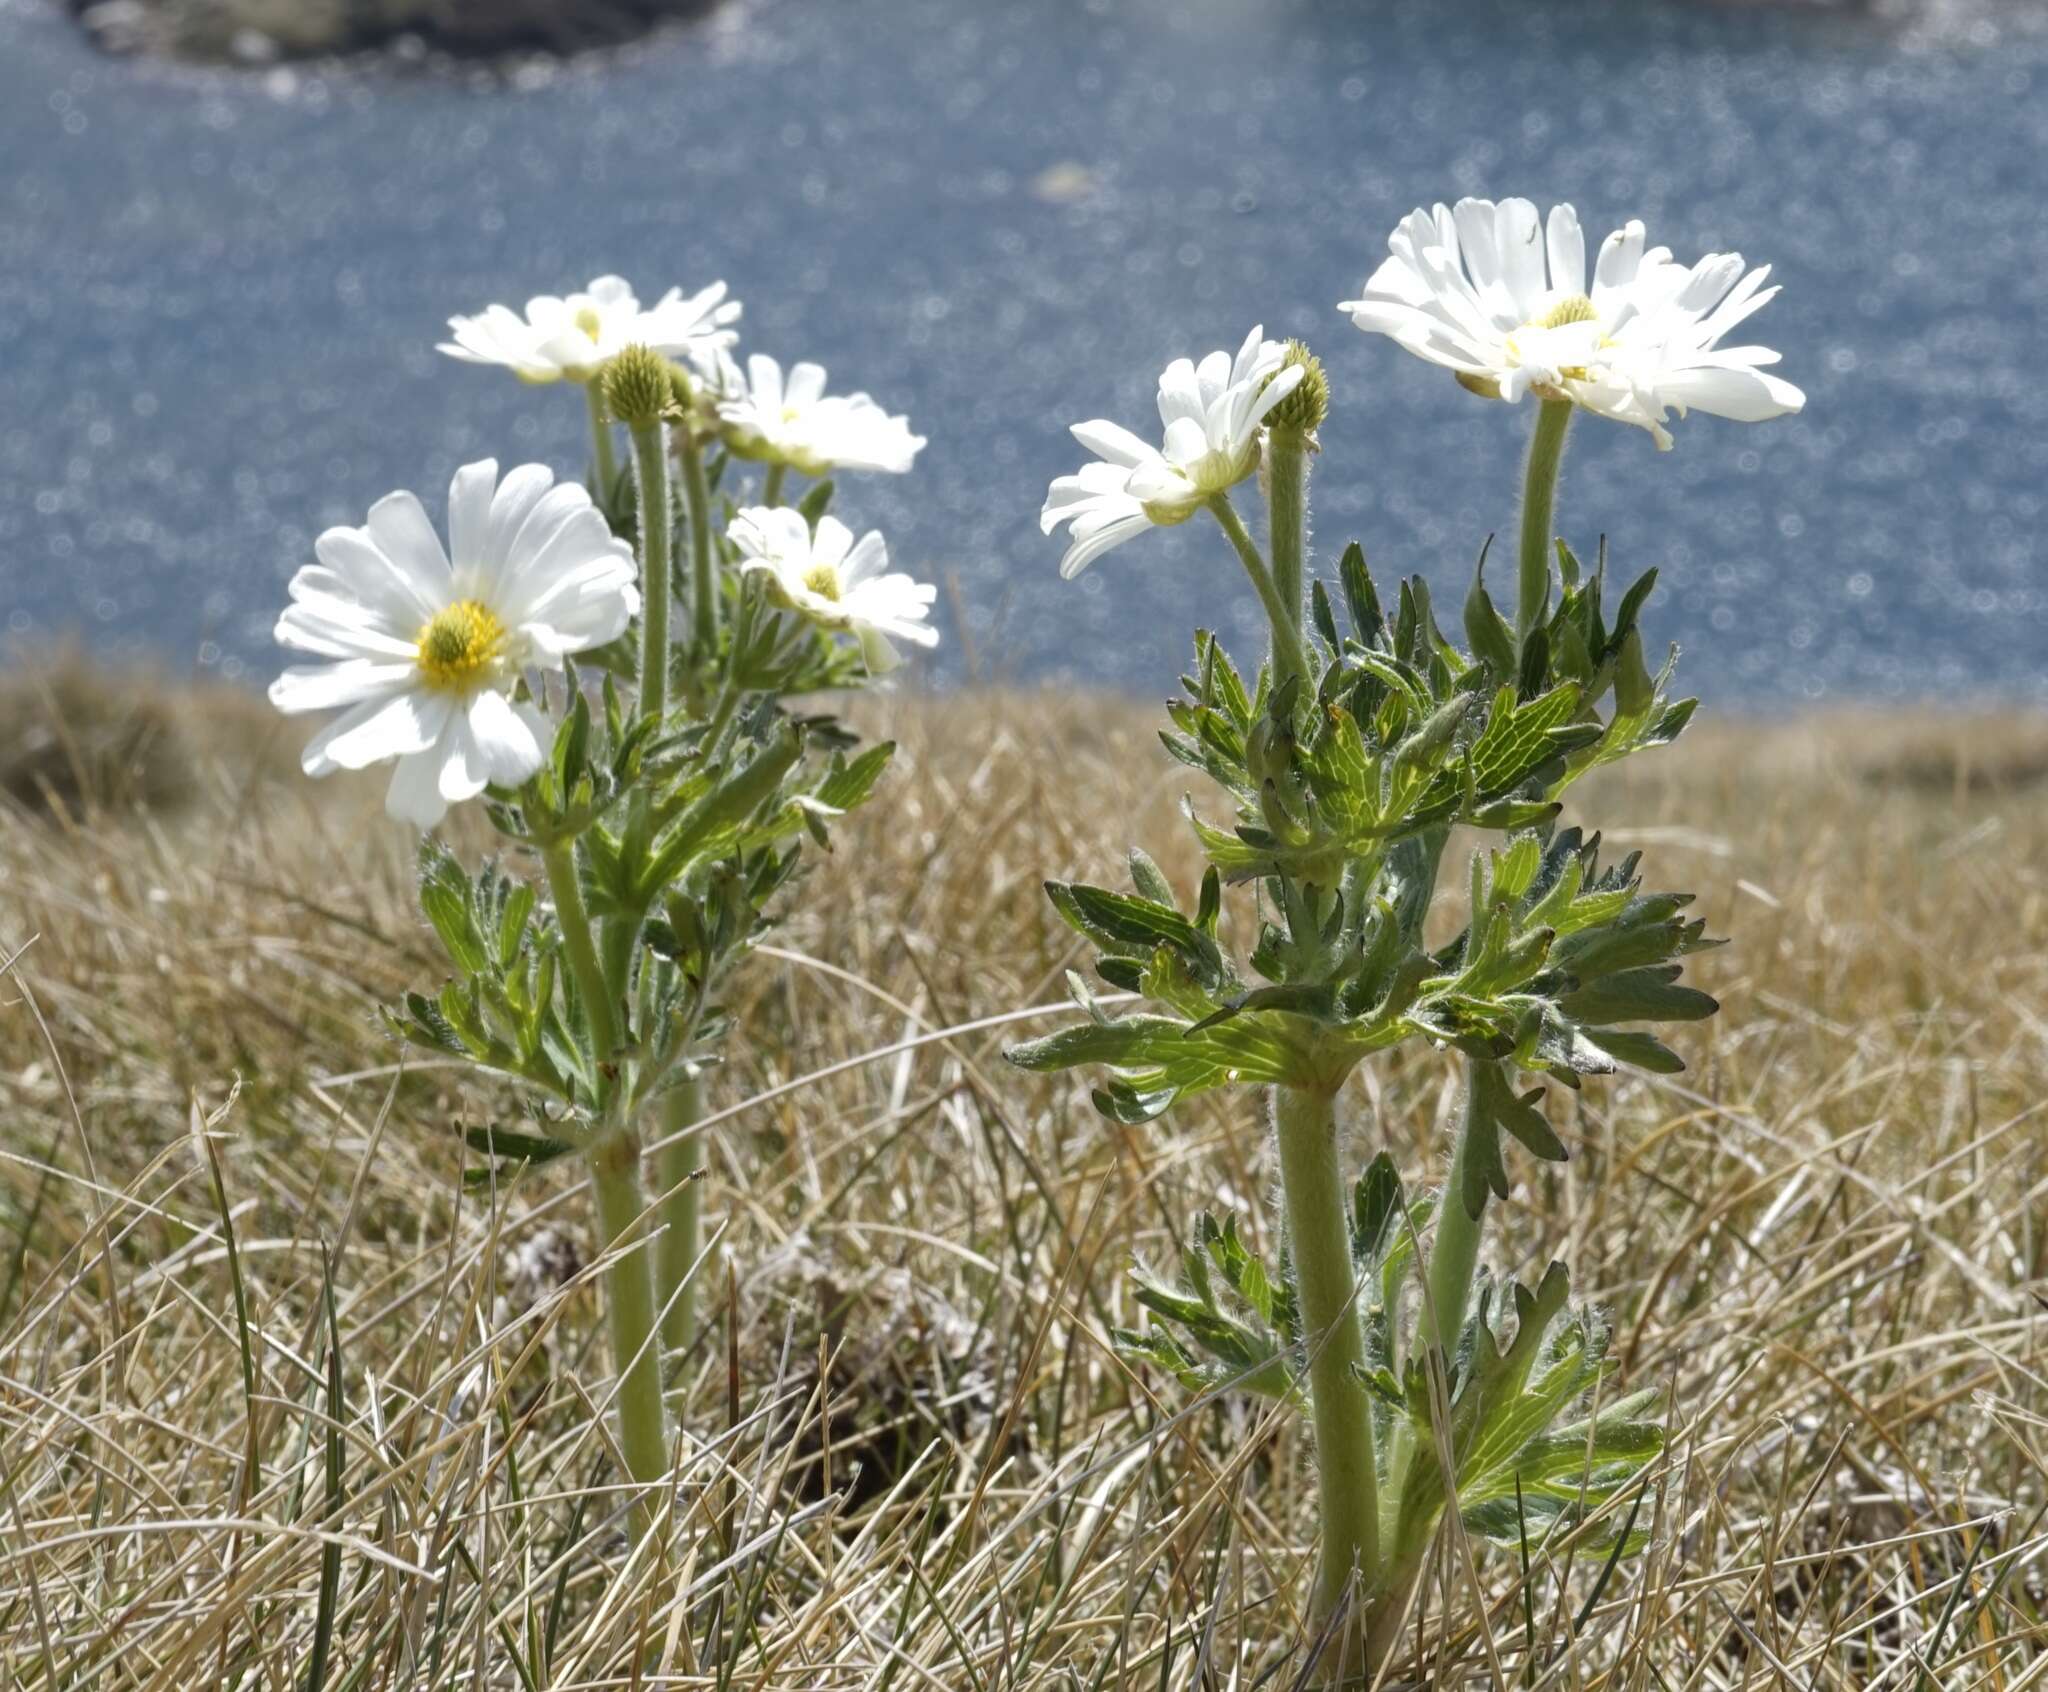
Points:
[[432, 648]]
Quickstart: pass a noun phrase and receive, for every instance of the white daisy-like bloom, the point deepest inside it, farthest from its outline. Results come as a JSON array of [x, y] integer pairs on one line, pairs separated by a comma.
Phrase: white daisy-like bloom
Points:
[[794, 421], [1499, 294], [570, 339], [1212, 411], [424, 644], [836, 582]]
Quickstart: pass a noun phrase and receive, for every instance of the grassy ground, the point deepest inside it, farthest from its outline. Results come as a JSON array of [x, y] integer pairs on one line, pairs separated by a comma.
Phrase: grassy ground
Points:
[[282, 1404]]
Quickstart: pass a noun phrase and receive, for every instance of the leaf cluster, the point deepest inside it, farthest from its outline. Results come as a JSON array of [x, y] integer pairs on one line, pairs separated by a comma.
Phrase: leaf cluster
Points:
[[684, 836], [1345, 788], [1532, 1444]]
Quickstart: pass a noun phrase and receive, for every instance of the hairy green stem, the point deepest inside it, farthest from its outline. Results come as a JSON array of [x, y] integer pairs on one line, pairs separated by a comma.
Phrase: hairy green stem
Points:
[[681, 1211], [1319, 1233], [703, 581], [1287, 517], [1539, 508], [613, 1157], [629, 1310], [650, 466], [601, 438], [1289, 657], [1454, 1251]]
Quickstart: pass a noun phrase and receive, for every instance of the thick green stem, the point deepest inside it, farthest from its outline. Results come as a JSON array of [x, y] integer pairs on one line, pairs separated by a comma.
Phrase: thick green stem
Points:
[[1319, 1233], [1287, 517], [629, 1310], [601, 438], [1539, 508], [1454, 1251], [614, 1161], [681, 1211], [1289, 658], [771, 488], [650, 465], [703, 581]]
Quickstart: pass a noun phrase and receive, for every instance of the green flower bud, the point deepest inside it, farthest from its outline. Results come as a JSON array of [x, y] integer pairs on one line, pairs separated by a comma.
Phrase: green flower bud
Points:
[[1302, 411], [636, 387]]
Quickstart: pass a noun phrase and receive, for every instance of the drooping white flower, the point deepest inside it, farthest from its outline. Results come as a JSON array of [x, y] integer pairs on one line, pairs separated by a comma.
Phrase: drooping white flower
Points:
[[1212, 413], [834, 581], [1500, 295], [795, 422], [569, 339], [424, 644]]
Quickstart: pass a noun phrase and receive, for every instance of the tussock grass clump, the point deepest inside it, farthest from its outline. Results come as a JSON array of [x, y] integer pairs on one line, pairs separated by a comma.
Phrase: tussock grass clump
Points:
[[283, 1402]]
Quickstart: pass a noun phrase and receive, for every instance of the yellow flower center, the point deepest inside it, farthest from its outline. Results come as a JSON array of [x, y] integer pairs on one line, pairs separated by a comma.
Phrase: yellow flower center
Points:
[[589, 322], [1573, 308], [459, 644], [823, 580]]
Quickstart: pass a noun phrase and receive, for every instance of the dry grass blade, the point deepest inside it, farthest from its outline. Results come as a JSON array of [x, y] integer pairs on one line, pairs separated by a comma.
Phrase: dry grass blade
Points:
[[909, 1457]]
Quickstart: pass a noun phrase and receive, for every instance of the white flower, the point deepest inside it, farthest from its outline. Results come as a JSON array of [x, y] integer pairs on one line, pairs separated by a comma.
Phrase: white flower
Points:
[[571, 338], [1212, 412], [1500, 296], [834, 582], [424, 652], [795, 422]]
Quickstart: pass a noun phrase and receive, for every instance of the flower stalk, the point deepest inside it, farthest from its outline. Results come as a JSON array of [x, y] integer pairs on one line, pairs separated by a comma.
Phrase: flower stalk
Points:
[[1539, 508], [650, 465], [1287, 511], [703, 580], [613, 1158], [1319, 1231], [1290, 658]]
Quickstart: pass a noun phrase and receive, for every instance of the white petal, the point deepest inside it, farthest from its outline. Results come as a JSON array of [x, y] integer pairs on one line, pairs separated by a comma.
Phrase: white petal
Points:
[[833, 541], [1113, 443], [1566, 244], [469, 514], [402, 724], [335, 630], [1092, 545], [374, 579], [1519, 231], [1744, 396], [869, 558], [805, 387], [511, 750], [323, 687], [875, 650], [398, 524], [414, 795]]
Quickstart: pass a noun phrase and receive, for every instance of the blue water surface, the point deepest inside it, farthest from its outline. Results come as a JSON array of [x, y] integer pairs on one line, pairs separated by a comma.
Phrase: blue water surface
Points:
[[219, 295]]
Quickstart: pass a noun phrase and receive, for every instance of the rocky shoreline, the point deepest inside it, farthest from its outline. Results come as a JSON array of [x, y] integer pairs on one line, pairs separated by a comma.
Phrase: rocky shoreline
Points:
[[267, 31]]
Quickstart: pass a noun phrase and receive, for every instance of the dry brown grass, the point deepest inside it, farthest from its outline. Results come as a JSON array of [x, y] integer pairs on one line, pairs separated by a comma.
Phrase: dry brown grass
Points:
[[1825, 1242]]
